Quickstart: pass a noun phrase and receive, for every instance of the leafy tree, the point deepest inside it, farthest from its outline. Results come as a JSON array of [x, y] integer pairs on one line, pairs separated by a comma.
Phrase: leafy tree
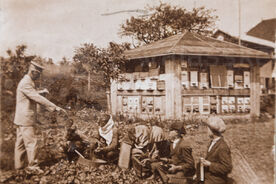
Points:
[[112, 60], [166, 20], [49, 61], [101, 64], [85, 59], [13, 68], [16, 65], [100, 61], [64, 61]]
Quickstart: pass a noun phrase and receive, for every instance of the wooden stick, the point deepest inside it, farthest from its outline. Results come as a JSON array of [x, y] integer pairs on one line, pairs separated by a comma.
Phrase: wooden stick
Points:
[[79, 153]]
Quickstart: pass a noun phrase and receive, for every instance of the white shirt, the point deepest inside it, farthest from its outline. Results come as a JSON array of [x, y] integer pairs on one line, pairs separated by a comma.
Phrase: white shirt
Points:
[[214, 141], [175, 142]]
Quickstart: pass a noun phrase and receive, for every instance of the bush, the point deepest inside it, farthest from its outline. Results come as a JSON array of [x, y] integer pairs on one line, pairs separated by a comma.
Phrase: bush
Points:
[[268, 104], [71, 91]]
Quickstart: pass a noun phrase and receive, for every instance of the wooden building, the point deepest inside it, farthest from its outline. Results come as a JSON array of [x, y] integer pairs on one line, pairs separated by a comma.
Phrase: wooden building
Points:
[[189, 73], [247, 41], [267, 81]]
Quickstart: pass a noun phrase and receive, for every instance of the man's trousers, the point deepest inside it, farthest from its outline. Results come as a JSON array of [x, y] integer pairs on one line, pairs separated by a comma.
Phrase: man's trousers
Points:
[[26, 142]]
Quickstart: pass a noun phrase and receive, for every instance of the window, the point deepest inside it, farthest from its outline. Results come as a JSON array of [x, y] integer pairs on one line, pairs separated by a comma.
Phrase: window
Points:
[[228, 104], [196, 104], [154, 68], [147, 104], [133, 104], [145, 67], [194, 78], [218, 75], [138, 67], [162, 66], [129, 67], [230, 78], [238, 79], [203, 80], [246, 76], [158, 105], [184, 79], [187, 104]]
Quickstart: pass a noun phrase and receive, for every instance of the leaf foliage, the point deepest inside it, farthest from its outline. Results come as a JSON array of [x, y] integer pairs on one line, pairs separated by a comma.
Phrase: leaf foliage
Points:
[[166, 20]]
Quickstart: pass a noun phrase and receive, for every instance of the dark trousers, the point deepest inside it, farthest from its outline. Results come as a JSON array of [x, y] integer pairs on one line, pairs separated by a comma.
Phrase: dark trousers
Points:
[[111, 155], [108, 156], [206, 180], [177, 177]]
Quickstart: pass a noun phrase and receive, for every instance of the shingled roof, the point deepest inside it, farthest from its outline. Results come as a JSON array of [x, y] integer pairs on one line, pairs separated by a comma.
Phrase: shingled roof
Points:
[[188, 43], [265, 30]]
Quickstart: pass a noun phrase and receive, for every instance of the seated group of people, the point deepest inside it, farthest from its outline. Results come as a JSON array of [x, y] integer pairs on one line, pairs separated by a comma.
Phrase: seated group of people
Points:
[[169, 157]]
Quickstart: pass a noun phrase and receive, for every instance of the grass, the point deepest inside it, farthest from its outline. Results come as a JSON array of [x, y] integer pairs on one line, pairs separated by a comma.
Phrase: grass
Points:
[[254, 140]]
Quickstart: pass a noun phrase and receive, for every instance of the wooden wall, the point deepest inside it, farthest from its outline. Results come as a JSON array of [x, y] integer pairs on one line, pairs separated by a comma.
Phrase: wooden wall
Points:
[[173, 89], [255, 90], [171, 97]]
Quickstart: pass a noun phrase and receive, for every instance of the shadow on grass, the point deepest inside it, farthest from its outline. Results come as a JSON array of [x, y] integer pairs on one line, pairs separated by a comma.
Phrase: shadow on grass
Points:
[[7, 155], [49, 162]]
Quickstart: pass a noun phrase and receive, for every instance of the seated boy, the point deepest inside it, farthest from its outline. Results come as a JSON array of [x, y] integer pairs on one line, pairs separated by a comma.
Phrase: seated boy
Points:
[[144, 150], [159, 147], [139, 138], [75, 143], [180, 163]]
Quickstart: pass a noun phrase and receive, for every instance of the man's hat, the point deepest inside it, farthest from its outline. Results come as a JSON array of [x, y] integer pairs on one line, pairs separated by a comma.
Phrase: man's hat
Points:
[[216, 124], [35, 66]]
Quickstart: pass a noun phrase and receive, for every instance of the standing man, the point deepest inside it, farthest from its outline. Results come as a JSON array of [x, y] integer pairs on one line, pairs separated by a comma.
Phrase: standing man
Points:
[[27, 97], [218, 162]]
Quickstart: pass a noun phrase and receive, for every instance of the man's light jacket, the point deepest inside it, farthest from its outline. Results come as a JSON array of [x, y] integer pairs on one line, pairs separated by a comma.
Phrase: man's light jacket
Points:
[[27, 98]]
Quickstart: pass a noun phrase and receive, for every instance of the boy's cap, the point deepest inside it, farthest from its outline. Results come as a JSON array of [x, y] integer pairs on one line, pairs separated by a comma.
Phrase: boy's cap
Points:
[[216, 124], [178, 126]]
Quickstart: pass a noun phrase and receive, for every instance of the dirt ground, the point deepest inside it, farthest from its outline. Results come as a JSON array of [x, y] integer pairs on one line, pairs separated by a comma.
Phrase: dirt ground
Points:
[[254, 140]]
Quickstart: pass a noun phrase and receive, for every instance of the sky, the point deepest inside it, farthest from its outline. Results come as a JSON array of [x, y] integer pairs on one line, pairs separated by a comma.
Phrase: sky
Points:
[[55, 28]]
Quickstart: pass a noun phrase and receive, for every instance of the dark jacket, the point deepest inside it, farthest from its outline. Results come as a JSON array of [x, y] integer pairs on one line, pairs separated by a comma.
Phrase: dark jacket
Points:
[[182, 156], [221, 163]]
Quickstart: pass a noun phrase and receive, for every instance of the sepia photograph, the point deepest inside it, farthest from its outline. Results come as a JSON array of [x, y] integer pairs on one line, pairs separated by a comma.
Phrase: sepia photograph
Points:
[[137, 92]]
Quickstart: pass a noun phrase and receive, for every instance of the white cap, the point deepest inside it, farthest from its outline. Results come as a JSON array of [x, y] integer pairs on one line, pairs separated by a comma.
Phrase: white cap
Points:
[[36, 67], [216, 124]]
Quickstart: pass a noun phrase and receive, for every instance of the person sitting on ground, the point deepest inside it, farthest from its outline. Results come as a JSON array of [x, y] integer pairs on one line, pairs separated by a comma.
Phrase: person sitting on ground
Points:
[[107, 140], [139, 137], [217, 163], [180, 163], [158, 146], [75, 142]]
